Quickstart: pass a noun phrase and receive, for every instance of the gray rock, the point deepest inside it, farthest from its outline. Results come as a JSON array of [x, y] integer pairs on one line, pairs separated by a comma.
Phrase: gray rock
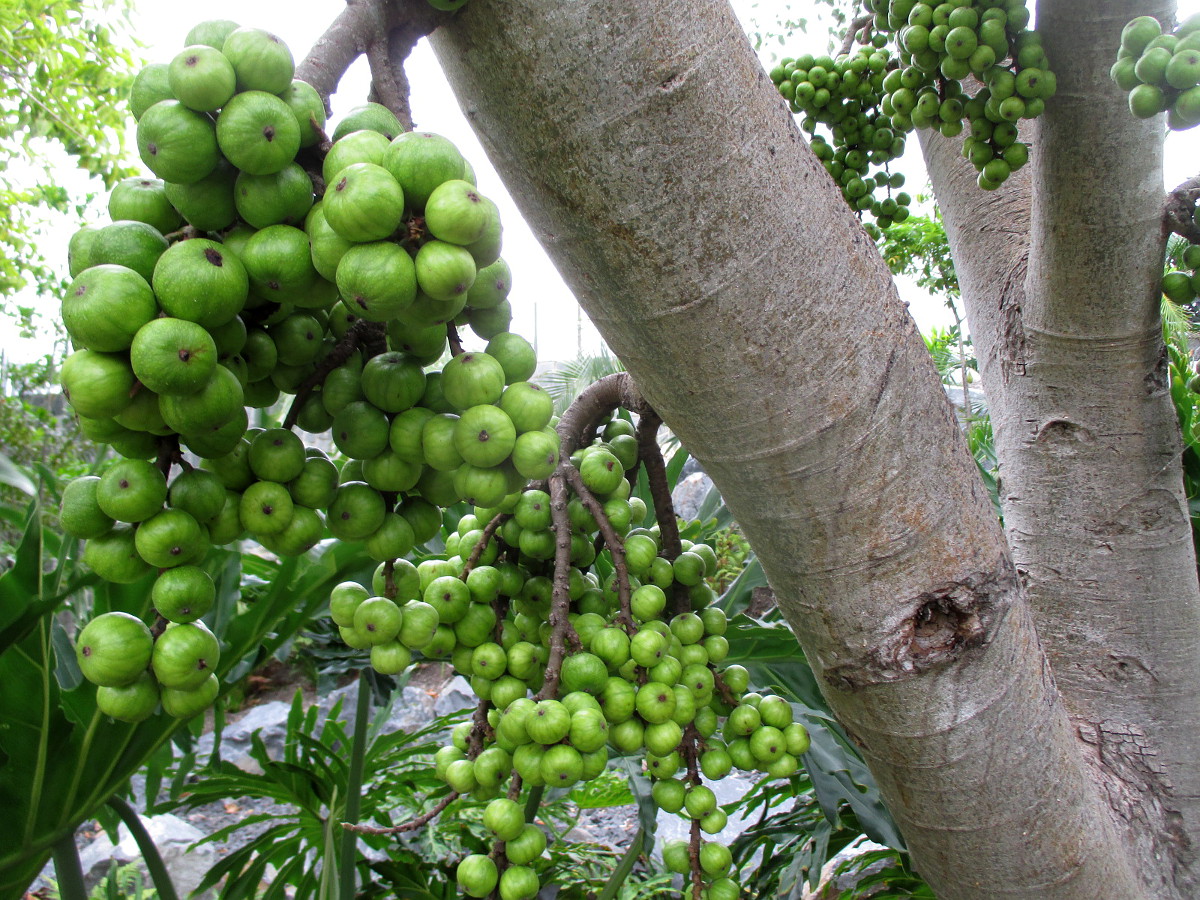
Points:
[[412, 711], [171, 835], [269, 720], [455, 696], [612, 826], [690, 493]]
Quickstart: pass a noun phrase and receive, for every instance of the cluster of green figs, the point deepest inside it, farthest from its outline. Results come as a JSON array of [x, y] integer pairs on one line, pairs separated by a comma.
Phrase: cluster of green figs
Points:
[[1182, 285], [871, 99], [646, 679], [1161, 70], [260, 261]]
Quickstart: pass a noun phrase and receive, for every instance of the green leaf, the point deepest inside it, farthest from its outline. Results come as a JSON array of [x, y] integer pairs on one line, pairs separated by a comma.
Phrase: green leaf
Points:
[[740, 592], [675, 466], [15, 477], [21, 585], [639, 786], [604, 792]]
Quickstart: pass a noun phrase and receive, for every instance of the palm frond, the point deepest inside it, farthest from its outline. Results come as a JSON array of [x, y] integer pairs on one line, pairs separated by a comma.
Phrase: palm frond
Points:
[[1178, 327], [568, 379]]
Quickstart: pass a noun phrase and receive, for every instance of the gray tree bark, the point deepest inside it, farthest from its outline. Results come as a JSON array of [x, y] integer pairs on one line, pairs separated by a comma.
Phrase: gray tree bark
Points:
[[670, 185], [1060, 273]]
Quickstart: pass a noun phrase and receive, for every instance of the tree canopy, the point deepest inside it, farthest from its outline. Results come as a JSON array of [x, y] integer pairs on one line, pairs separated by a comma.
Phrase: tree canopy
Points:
[[65, 70]]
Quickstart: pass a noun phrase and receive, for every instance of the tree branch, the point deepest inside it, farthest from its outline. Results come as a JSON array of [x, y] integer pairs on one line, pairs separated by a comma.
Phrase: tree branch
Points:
[[561, 598], [1179, 216], [479, 729], [454, 340], [660, 491], [388, 79], [395, 27], [794, 409], [389, 579], [855, 26], [616, 547], [593, 404], [362, 334], [419, 822], [168, 453], [488, 531]]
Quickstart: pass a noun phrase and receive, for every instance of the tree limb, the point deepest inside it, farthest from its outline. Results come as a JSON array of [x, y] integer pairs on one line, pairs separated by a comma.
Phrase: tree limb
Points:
[[388, 79], [612, 540], [852, 31], [561, 599], [1179, 217], [393, 27], [419, 822], [783, 358], [593, 404], [478, 550], [361, 335]]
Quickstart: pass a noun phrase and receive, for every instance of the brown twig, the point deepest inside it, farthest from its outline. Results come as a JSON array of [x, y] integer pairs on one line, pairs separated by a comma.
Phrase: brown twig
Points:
[[664, 508], [186, 233], [359, 335], [480, 729], [388, 81], [389, 579], [616, 547], [858, 24], [160, 624], [561, 597], [560, 603], [355, 29], [723, 690], [691, 738], [454, 340], [168, 453], [1179, 215], [488, 531], [418, 822], [694, 859], [500, 608], [323, 144]]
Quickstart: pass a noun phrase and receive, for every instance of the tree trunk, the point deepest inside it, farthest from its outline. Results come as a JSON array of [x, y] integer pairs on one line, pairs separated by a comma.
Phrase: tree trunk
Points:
[[671, 187], [1086, 431]]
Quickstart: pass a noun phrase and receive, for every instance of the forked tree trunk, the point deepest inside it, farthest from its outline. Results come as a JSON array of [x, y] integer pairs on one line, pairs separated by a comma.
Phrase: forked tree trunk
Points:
[[670, 185]]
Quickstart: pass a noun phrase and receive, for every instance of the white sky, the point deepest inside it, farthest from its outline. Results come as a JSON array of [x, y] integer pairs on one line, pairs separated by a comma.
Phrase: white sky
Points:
[[544, 309]]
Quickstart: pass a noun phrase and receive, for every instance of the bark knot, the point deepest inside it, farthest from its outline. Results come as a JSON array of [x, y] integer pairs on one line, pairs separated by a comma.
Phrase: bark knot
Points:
[[1062, 434], [939, 627]]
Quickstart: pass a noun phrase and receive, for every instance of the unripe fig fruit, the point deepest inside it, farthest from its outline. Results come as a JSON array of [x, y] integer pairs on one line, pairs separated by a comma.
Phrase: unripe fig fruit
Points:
[[201, 78], [133, 703], [363, 203], [114, 649], [176, 143], [261, 61], [185, 656], [257, 132]]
